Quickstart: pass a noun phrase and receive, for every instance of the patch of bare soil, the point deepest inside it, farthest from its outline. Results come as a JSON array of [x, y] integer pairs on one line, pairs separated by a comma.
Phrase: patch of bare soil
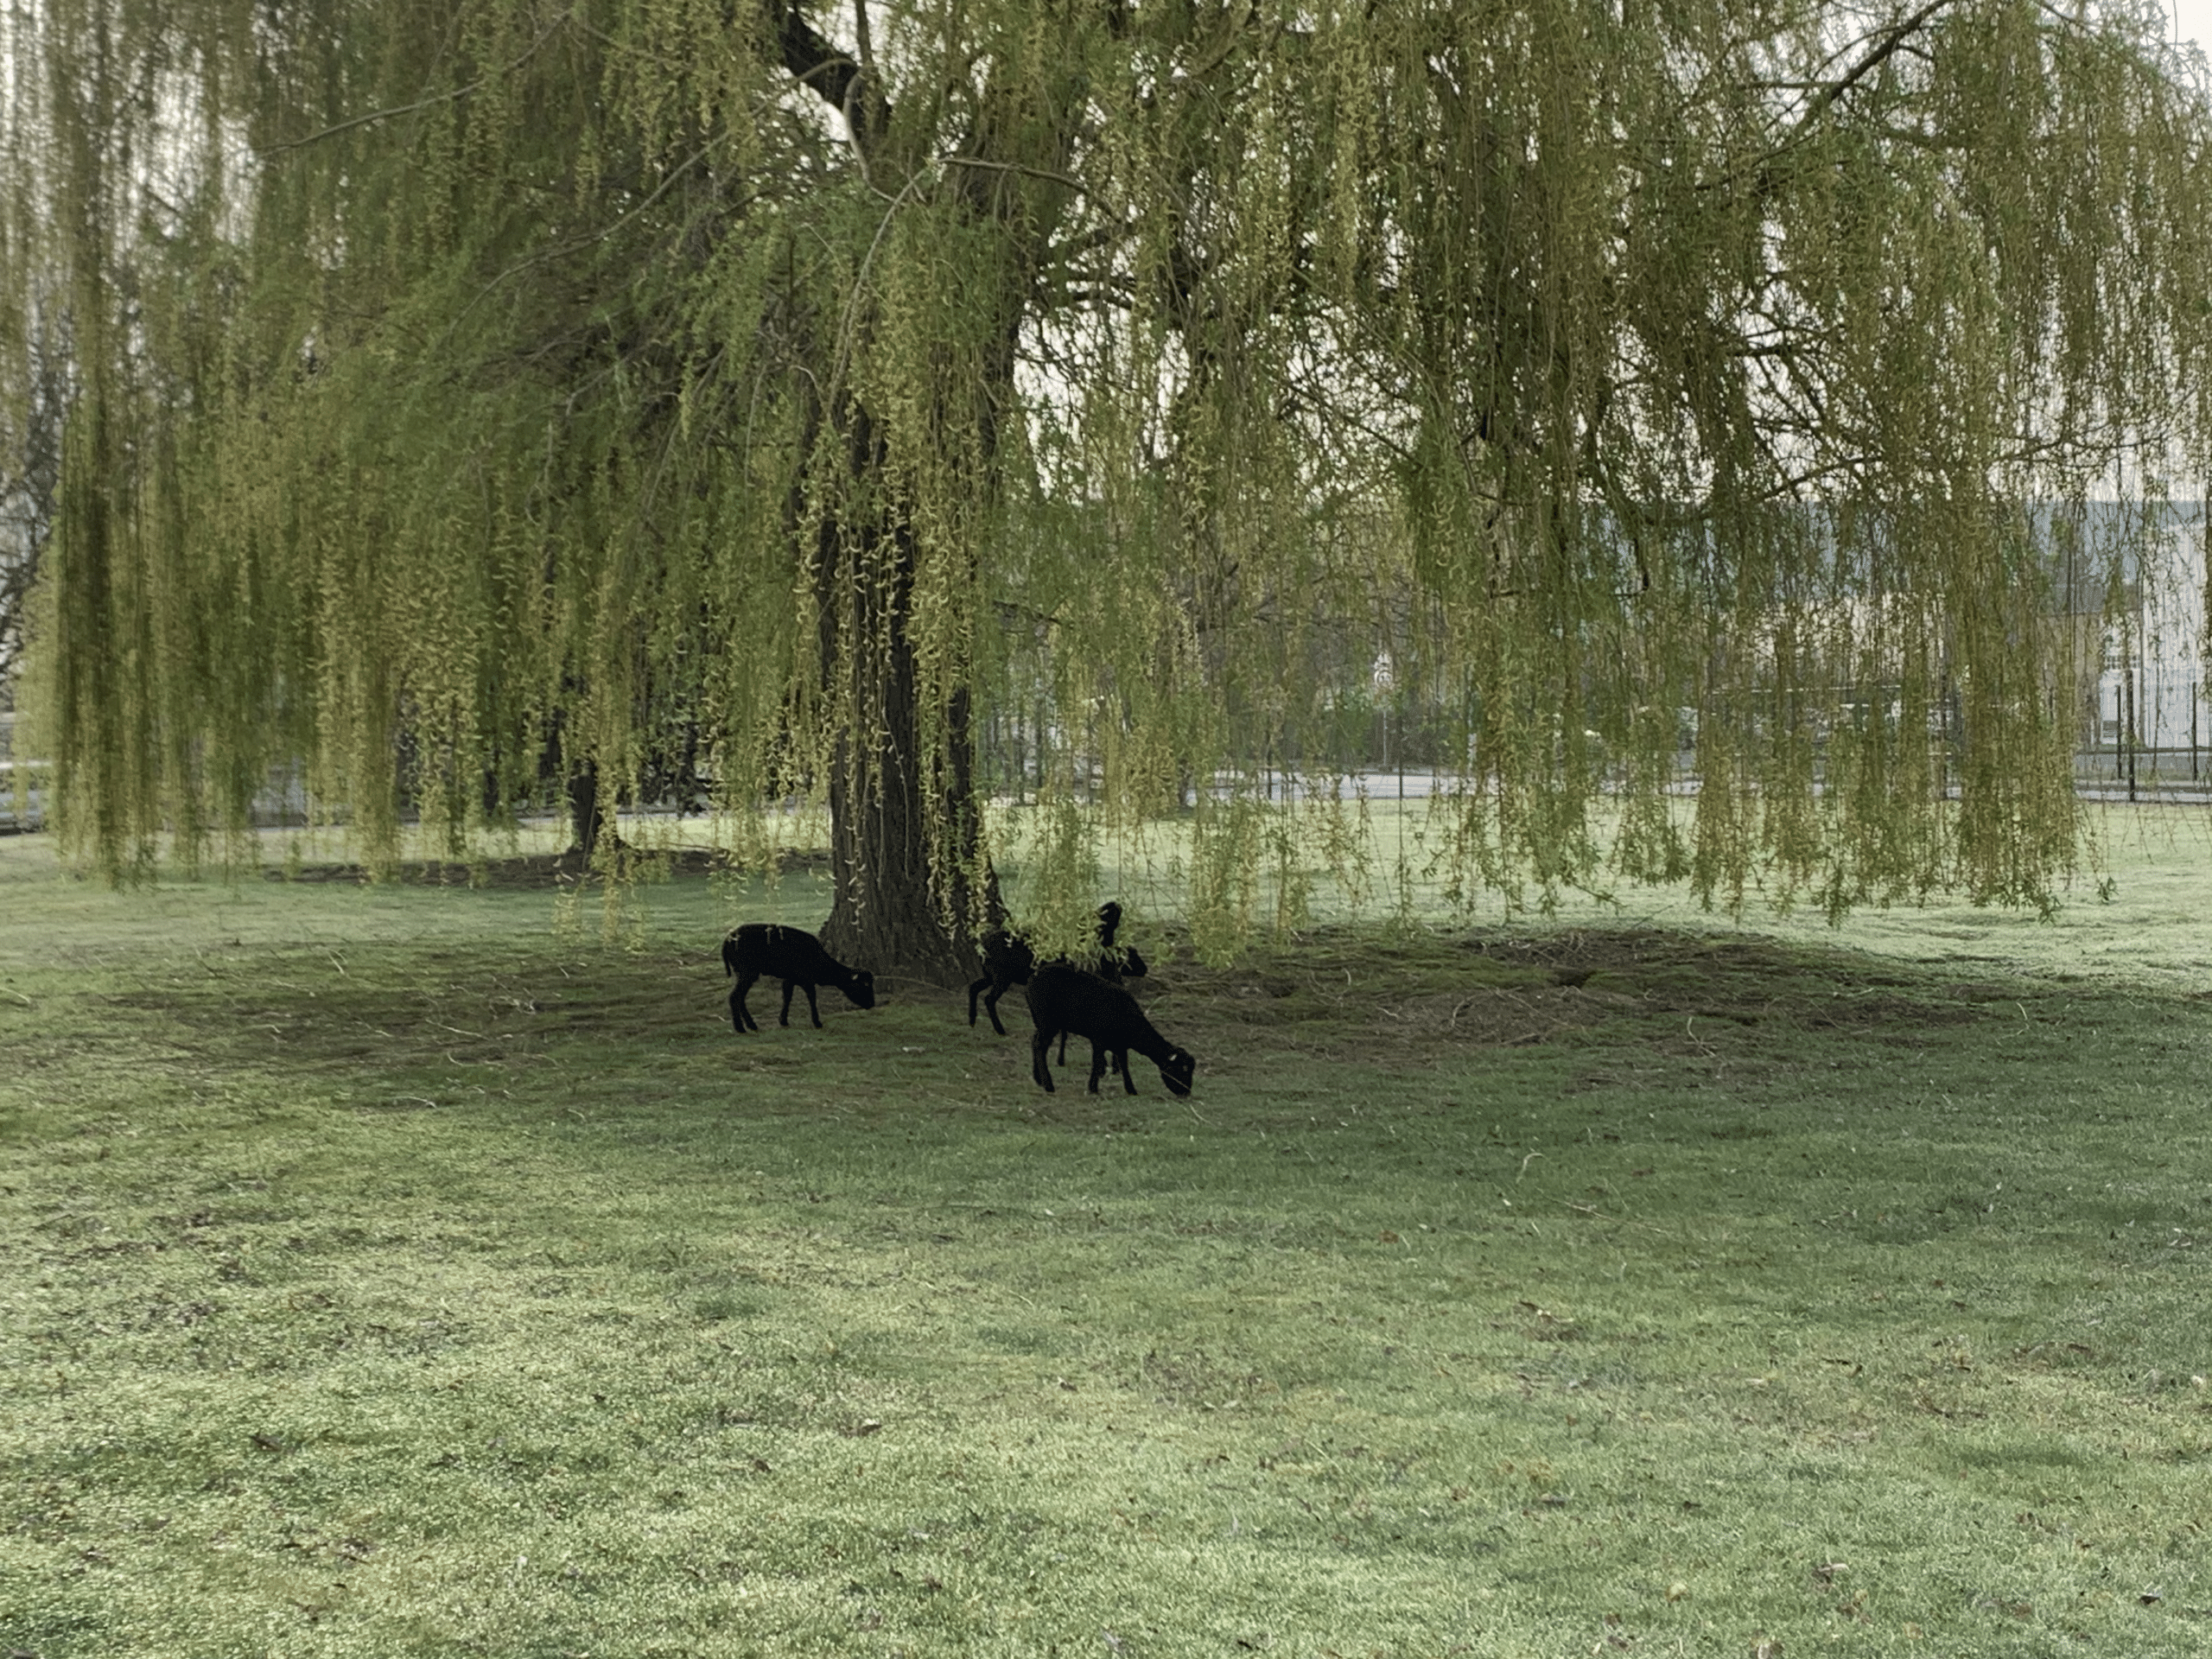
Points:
[[537, 870], [1350, 995], [1334, 995], [456, 1009]]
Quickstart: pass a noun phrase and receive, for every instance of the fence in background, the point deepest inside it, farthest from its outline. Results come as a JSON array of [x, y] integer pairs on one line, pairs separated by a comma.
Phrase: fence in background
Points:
[[2108, 768]]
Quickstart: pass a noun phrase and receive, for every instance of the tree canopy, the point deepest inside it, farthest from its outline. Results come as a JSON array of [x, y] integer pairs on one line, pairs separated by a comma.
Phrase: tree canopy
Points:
[[474, 401]]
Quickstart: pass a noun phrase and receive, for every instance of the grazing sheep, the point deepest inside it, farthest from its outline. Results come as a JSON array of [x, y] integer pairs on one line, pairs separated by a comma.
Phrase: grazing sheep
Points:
[[1008, 961], [794, 955], [1064, 1000]]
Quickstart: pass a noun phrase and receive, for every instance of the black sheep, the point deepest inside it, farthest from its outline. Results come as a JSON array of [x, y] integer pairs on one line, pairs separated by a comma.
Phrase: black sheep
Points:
[[794, 955], [1008, 961], [1064, 1001]]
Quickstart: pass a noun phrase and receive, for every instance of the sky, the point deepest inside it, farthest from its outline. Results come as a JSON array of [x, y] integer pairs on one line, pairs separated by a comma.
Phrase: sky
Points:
[[2192, 21]]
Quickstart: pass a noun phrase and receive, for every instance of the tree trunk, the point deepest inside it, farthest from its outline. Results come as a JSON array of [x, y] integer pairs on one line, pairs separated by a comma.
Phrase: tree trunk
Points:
[[587, 813], [905, 817], [901, 865]]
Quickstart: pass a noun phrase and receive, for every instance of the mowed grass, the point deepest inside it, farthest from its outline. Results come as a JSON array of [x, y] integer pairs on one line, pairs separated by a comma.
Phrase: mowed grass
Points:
[[384, 1273]]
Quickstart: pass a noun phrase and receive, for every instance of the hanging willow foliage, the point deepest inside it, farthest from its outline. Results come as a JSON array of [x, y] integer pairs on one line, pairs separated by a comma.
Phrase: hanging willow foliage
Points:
[[479, 403]]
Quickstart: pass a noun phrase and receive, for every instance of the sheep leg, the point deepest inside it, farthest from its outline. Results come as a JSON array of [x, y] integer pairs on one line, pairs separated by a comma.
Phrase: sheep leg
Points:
[[789, 986], [1040, 1046], [1122, 1060], [741, 1016], [991, 1003], [981, 984], [1098, 1052], [1063, 1048], [812, 1008]]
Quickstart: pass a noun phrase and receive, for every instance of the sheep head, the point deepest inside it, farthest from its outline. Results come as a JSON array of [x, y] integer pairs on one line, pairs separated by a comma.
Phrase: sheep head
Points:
[[1177, 1069]]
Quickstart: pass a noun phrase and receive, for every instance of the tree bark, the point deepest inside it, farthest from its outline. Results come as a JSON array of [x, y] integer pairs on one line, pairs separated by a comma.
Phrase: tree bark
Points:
[[900, 864], [906, 830], [586, 814]]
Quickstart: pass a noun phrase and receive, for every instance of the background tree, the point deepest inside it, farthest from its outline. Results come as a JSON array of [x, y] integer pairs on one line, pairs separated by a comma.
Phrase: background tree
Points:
[[30, 478], [480, 396]]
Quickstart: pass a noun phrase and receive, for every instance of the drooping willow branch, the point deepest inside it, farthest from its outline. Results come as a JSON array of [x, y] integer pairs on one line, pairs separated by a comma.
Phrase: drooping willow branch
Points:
[[793, 397]]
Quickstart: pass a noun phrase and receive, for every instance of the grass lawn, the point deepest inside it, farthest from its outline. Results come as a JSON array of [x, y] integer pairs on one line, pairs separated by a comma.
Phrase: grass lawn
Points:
[[382, 1272]]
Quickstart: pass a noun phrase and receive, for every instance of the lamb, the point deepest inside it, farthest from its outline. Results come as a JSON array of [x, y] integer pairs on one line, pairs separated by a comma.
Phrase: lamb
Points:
[[795, 956], [1064, 1000], [1008, 961]]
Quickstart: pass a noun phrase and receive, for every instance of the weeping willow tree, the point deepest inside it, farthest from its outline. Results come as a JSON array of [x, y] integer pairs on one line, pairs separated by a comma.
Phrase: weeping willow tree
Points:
[[477, 403]]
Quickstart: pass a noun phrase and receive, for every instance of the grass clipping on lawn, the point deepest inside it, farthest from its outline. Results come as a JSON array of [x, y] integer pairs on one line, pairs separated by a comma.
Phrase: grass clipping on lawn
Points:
[[383, 1273]]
